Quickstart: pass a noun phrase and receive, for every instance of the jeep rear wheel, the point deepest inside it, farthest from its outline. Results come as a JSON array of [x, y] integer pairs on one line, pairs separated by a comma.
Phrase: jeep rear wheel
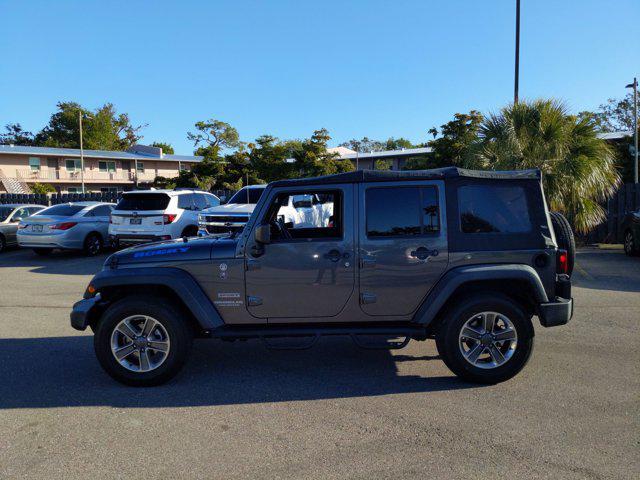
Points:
[[485, 339], [142, 341]]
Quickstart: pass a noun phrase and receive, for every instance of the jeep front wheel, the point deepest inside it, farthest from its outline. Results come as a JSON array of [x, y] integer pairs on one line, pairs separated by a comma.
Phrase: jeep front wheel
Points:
[[142, 341], [486, 339]]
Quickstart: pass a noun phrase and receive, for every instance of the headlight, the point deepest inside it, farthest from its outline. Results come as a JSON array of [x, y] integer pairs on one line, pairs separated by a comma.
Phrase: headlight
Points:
[[200, 219]]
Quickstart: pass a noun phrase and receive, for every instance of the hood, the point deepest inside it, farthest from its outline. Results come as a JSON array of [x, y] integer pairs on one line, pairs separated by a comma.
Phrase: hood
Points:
[[230, 208], [195, 248]]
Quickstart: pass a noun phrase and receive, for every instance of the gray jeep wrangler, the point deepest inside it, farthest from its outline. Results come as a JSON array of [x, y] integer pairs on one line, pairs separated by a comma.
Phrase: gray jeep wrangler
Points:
[[465, 257]]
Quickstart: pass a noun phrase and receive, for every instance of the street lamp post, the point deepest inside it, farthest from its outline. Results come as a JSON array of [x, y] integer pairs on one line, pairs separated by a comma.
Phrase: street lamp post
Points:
[[517, 73], [634, 85], [81, 151]]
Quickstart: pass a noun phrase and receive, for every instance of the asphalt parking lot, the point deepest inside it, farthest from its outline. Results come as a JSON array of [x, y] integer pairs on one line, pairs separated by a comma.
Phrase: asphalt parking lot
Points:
[[335, 411]]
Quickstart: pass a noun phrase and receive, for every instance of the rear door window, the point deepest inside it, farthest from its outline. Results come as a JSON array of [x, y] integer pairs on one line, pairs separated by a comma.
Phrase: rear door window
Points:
[[402, 211], [186, 201], [143, 201], [493, 209]]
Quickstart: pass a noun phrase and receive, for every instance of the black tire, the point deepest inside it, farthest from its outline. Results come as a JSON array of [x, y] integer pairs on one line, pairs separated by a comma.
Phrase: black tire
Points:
[[3, 244], [448, 338], [631, 246], [43, 251], [565, 238], [168, 315], [93, 244], [190, 231]]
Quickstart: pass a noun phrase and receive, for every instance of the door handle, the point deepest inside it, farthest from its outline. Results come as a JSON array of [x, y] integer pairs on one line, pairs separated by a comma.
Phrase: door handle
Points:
[[422, 253], [333, 255]]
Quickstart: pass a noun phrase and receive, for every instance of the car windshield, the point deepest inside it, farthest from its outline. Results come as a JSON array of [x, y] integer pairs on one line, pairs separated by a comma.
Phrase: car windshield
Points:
[[247, 195], [63, 210], [5, 212], [143, 201]]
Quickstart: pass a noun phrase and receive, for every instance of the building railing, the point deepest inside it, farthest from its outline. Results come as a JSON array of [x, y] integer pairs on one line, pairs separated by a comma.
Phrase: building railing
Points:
[[49, 175]]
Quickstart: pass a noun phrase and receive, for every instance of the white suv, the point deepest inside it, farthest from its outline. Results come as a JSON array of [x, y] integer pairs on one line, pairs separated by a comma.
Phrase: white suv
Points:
[[152, 215]]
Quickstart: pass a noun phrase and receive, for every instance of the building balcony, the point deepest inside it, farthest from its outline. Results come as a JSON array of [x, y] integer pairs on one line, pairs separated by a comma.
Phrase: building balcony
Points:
[[90, 176]]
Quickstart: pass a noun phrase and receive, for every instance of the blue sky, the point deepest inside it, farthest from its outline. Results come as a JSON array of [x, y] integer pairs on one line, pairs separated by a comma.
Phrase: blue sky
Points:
[[374, 68]]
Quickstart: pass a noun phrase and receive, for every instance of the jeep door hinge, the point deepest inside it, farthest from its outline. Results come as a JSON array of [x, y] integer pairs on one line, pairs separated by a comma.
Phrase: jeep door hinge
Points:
[[366, 298], [254, 301]]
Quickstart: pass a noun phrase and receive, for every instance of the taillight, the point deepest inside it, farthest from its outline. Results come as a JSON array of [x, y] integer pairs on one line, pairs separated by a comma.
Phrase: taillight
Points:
[[168, 218], [63, 225], [562, 261], [110, 218]]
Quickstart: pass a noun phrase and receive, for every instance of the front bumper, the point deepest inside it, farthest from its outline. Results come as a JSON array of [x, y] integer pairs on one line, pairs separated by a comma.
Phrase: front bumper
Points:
[[83, 311]]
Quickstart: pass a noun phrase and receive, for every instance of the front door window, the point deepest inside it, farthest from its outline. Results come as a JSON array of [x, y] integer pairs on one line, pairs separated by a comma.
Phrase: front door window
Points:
[[308, 268]]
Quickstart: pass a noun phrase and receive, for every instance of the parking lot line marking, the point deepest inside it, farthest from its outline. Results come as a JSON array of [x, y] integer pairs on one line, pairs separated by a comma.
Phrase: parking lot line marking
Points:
[[583, 272]]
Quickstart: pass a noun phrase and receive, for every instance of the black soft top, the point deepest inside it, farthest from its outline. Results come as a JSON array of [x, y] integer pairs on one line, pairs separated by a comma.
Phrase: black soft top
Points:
[[361, 176]]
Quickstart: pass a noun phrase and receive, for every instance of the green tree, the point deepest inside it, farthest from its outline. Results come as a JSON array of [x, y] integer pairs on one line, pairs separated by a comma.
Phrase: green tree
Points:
[[166, 147], [42, 188], [314, 160], [103, 129], [615, 115], [16, 135], [456, 138], [578, 168], [398, 144], [364, 145], [215, 135]]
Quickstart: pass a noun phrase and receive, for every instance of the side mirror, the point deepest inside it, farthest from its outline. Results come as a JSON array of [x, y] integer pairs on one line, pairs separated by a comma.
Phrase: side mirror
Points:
[[263, 234]]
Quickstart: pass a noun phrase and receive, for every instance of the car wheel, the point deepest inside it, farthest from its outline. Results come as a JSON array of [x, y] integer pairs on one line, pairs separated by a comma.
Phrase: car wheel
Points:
[[190, 231], [43, 251], [630, 247], [92, 244], [564, 237], [485, 339], [142, 341], [3, 244]]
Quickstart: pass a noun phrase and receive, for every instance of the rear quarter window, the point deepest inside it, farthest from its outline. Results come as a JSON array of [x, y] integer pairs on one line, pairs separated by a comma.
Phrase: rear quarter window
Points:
[[143, 201], [493, 209]]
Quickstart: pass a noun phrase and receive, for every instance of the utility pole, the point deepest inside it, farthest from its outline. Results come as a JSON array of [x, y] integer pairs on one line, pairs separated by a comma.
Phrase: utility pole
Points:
[[81, 151], [517, 75], [634, 85]]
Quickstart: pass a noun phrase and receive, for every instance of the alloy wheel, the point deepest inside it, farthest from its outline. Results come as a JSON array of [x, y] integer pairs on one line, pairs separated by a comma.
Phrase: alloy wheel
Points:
[[488, 340], [140, 343]]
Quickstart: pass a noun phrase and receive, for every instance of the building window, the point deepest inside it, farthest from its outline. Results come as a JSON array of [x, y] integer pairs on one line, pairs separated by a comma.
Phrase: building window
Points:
[[110, 189], [34, 164], [140, 167], [73, 165], [107, 166], [184, 167], [74, 190]]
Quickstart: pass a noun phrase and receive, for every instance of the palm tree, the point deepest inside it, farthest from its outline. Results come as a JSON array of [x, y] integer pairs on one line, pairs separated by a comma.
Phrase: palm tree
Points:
[[579, 170]]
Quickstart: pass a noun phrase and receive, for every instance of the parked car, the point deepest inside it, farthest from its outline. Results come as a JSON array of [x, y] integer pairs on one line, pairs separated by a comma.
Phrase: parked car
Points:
[[67, 226], [233, 215], [466, 258], [151, 215], [10, 216], [631, 233]]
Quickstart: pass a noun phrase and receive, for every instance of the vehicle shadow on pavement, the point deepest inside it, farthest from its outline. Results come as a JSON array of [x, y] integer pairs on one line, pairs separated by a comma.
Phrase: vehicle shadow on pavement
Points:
[[63, 372], [606, 270], [57, 263]]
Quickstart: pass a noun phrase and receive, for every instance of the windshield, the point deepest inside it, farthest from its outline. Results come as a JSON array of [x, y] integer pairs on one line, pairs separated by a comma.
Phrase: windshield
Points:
[[62, 210], [143, 201], [253, 195], [5, 212]]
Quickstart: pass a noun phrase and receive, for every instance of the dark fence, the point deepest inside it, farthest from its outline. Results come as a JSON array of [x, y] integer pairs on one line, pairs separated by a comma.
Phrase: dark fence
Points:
[[626, 199]]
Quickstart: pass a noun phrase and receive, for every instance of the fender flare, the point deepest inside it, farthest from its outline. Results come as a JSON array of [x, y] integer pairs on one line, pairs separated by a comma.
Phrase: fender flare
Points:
[[178, 280], [459, 276]]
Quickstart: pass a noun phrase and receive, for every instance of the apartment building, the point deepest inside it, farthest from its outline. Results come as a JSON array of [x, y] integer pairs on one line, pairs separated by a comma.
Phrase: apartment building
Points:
[[21, 167]]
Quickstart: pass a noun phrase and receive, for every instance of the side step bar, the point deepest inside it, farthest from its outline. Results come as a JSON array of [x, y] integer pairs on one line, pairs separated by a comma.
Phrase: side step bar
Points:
[[313, 332]]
